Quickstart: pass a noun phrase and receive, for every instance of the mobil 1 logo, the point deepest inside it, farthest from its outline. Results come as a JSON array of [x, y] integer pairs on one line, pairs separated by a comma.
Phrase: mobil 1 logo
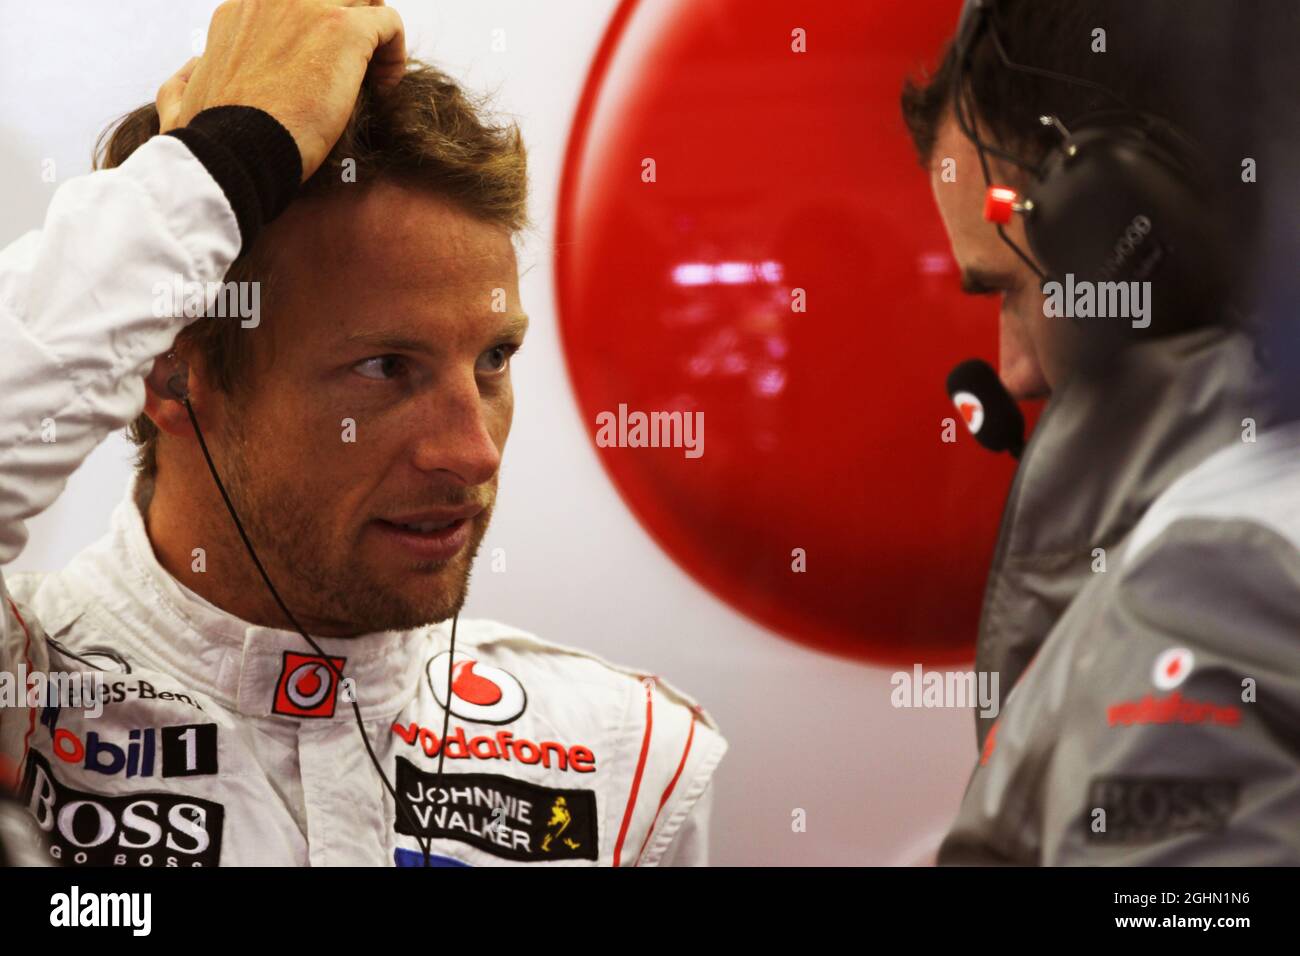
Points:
[[136, 829], [185, 751]]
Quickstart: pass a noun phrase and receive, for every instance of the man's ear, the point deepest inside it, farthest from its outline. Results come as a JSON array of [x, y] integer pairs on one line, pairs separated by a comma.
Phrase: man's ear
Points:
[[165, 386]]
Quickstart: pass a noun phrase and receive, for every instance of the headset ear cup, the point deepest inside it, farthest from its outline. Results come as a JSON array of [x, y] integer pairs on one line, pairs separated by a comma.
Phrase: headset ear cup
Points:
[[1119, 203]]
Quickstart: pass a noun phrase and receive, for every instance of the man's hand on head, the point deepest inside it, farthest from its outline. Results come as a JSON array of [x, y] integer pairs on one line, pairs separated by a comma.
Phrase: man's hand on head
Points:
[[301, 61]]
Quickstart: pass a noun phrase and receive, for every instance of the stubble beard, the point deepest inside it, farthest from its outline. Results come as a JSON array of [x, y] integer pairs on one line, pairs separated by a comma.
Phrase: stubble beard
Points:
[[329, 584]]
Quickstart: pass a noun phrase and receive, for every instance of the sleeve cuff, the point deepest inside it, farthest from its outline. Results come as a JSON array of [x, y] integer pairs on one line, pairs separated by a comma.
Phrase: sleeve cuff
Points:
[[253, 158]]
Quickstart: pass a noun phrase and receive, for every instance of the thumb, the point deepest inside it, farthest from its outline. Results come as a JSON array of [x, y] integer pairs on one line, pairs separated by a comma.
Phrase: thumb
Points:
[[170, 95]]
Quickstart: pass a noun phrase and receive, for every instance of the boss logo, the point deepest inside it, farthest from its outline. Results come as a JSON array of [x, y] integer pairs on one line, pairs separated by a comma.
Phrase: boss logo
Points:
[[139, 829], [1141, 809]]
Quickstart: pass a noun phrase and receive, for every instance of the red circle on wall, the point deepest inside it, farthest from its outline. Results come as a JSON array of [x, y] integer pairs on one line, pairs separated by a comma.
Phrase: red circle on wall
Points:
[[745, 239]]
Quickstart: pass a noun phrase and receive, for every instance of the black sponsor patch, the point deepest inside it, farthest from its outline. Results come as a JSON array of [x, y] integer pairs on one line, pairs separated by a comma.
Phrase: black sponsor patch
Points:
[[189, 751], [506, 817], [135, 829], [1141, 809]]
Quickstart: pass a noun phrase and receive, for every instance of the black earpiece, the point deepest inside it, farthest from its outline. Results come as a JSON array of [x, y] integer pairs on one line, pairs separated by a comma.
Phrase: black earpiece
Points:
[[176, 385], [178, 379]]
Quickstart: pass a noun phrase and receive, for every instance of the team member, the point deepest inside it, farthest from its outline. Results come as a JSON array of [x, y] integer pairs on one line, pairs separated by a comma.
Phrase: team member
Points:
[[358, 428], [1144, 602]]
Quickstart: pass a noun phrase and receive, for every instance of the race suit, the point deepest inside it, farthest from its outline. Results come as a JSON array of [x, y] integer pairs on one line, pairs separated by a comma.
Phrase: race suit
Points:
[[225, 743], [1144, 610]]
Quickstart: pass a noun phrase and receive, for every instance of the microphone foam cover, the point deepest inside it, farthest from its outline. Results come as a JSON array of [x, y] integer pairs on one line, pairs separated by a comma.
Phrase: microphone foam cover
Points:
[[986, 407]]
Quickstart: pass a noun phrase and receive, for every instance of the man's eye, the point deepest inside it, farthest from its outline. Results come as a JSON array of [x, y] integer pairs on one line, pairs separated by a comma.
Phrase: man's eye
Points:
[[498, 358], [381, 368]]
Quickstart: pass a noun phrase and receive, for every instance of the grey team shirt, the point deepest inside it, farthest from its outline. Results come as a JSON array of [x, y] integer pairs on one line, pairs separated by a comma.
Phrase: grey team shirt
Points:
[[1159, 723]]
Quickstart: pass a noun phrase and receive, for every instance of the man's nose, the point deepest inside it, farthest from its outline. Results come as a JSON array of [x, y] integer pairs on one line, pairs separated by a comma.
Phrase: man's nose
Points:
[[456, 434]]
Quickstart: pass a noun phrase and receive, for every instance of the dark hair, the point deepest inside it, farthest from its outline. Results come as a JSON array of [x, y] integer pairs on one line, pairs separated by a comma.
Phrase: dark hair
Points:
[[1055, 34], [1186, 61], [1224, 74]]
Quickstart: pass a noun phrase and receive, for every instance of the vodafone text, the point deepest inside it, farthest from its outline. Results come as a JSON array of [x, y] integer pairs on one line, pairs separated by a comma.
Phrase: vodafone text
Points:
[[502, 746]]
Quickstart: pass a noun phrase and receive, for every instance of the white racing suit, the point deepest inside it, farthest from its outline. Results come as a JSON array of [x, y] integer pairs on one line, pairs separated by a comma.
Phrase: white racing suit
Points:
[[223, 743]]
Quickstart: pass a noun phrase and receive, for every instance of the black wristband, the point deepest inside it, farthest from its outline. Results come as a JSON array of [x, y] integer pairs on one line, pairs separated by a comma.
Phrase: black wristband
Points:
[[252, 157]]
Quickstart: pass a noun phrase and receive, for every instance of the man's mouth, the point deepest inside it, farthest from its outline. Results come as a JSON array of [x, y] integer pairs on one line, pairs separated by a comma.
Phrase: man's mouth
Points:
[[423, 527], [430, 536]]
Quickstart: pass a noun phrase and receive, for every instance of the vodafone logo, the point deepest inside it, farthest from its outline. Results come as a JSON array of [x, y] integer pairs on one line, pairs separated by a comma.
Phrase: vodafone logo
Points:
[[479, 692], [308, 684], [1172, 668], [971, 409], [306, 687]]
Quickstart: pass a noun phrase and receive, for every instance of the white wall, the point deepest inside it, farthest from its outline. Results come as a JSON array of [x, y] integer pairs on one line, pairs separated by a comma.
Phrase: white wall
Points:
[[807, 730]]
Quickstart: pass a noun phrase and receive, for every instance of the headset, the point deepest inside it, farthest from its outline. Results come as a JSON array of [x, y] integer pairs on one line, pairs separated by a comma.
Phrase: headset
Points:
[[1123, 198], [177, 389]]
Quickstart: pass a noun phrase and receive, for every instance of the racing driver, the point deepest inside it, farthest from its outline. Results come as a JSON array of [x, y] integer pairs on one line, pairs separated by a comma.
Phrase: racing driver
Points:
[[333, 710]]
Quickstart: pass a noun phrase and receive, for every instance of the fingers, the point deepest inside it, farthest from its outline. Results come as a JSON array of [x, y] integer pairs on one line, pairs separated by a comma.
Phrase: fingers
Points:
[[388, 61], [171, 93]]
